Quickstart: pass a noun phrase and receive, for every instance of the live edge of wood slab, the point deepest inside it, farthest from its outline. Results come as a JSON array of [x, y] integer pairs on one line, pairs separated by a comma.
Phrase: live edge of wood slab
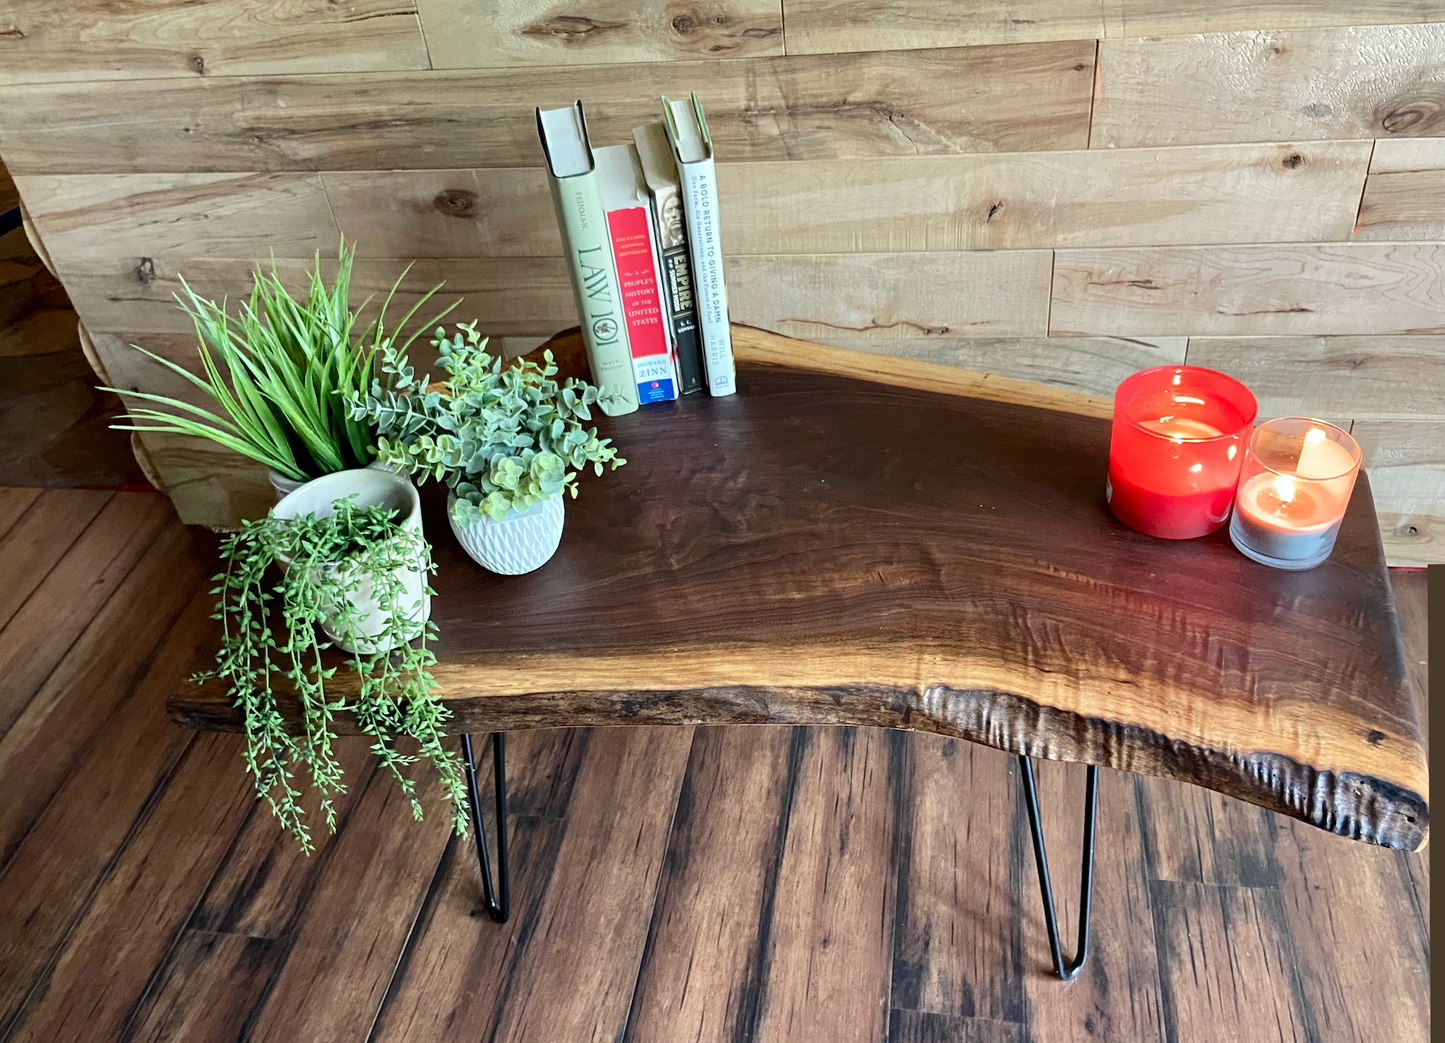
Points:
[[864, 540]]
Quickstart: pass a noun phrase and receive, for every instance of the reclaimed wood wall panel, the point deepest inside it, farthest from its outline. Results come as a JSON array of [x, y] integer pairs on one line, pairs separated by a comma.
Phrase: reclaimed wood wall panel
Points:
[[1215, 194], [1091, 365], [1365, 82], [1355, 288], [1406, 461], [1044, 190], [965, 99], [822, 26], [994, 294], [180, 215], [1405, 193], [88, 40], [1361, 378], [468, 34]]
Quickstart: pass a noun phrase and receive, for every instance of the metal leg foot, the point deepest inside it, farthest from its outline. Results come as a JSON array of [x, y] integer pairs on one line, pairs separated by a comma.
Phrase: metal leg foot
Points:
[[498, 898], [1066, 972]]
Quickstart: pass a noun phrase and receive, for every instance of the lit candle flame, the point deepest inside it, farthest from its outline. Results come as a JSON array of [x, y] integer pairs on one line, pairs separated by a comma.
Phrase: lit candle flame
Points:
[[1284, 487]]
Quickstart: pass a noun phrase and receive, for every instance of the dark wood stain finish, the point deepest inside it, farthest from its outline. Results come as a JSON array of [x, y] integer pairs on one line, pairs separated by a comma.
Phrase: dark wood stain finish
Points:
[[822, 549], [137, 904]]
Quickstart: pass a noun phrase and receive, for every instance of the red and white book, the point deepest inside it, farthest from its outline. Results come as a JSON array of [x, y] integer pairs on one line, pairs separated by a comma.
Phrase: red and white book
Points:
[[634, 248]]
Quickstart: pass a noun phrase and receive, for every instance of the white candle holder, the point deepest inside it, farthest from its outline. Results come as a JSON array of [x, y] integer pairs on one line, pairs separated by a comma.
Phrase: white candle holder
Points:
[[1294, 486]]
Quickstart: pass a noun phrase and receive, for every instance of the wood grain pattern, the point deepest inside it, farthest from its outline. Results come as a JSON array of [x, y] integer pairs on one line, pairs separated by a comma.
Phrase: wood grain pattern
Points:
[[971, 99], [1376, 378], [566, 966], [1405, 193], [819, 26], [991, 294], [1090, 366], [809, 631], [465, 35], [64, 42], [1407, 459], [40, 535], [1214, 194], [1227, 965], [829, 944], [1354, 288], [41, 631], [724, 856], [496, 212], [1315, 868], [181, 215], [89, 991], [14, 503], [1292, 85], [958, 946]]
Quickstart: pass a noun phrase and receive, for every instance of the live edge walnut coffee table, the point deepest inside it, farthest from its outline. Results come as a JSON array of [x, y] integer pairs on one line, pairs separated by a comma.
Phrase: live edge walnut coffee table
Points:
[[863, 540]]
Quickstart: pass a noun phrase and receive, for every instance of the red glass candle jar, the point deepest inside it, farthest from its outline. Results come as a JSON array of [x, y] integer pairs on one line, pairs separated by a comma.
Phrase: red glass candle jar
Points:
[[1176, 448]]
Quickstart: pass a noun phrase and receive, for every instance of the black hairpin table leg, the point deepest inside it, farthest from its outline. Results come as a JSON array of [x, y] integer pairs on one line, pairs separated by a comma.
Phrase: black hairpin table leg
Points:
[[499, 897], [1086, 874]]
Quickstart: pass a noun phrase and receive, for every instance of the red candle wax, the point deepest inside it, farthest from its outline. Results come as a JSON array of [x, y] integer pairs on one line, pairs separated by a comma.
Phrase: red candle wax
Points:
[[1175, 450]]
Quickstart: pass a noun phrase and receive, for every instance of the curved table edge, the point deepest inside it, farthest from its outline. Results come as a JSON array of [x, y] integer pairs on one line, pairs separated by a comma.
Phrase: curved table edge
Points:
[[1349, 804]]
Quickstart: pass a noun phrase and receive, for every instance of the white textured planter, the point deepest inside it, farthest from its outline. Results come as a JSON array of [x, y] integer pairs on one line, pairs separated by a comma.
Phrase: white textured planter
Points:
[[520, 542], [372, 487], [286, 486]]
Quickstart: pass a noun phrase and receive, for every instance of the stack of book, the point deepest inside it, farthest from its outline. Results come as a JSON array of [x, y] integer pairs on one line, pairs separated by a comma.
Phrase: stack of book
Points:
[[639, 225]]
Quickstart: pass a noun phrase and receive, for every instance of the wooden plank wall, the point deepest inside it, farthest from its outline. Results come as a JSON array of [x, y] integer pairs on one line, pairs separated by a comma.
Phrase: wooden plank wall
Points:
[[1057, 191]]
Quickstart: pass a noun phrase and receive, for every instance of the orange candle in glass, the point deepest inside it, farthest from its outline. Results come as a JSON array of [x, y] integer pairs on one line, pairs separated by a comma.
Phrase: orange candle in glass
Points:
[[1175, 451], [1295, 484]]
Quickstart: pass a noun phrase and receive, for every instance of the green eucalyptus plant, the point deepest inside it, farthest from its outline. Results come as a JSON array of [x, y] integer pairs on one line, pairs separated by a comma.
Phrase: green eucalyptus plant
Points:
[[502, 437], [280, 372], [326, 561]]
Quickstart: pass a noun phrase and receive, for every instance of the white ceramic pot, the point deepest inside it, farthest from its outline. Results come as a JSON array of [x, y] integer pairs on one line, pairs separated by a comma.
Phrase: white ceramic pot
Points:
[[286, 486], [371, 487], [520, 542]]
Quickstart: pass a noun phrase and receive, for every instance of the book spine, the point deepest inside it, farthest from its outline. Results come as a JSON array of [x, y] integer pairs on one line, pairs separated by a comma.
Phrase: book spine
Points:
[[583, 224], [682, 314], [699, 184], [636, 262]]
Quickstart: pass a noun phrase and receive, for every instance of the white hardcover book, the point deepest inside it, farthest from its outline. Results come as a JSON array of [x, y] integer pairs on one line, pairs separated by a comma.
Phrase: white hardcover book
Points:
[[692, 150], [634, 252]]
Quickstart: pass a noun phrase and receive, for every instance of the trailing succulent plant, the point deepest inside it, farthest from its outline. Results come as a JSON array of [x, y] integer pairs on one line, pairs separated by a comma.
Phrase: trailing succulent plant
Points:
[[502, 437], [327, 560]]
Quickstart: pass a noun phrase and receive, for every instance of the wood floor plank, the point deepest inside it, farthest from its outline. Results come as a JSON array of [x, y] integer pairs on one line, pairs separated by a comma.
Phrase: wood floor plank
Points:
[[1405, 192], [959, 941], [919, 1026], [1225, 965], [1193, 835], [187, 1007], [14, 502], [566, 966], [54, 871], [1412, 607], [1380, 940], [114, 665], [41, 633], [828, 961], [39, 538], [145, 900], [1116, 996], [701, 975], [357, 920]]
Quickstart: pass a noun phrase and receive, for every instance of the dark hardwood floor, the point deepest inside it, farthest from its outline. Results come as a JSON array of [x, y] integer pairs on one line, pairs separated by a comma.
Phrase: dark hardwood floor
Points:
[[772, 884]]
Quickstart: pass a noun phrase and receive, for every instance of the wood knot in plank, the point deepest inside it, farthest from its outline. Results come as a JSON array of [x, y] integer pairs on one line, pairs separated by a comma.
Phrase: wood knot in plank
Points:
[[1292, 161], [457, 202], [13, 33], [571, 29], [145, 272], [1418, 116], [199, 64]]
